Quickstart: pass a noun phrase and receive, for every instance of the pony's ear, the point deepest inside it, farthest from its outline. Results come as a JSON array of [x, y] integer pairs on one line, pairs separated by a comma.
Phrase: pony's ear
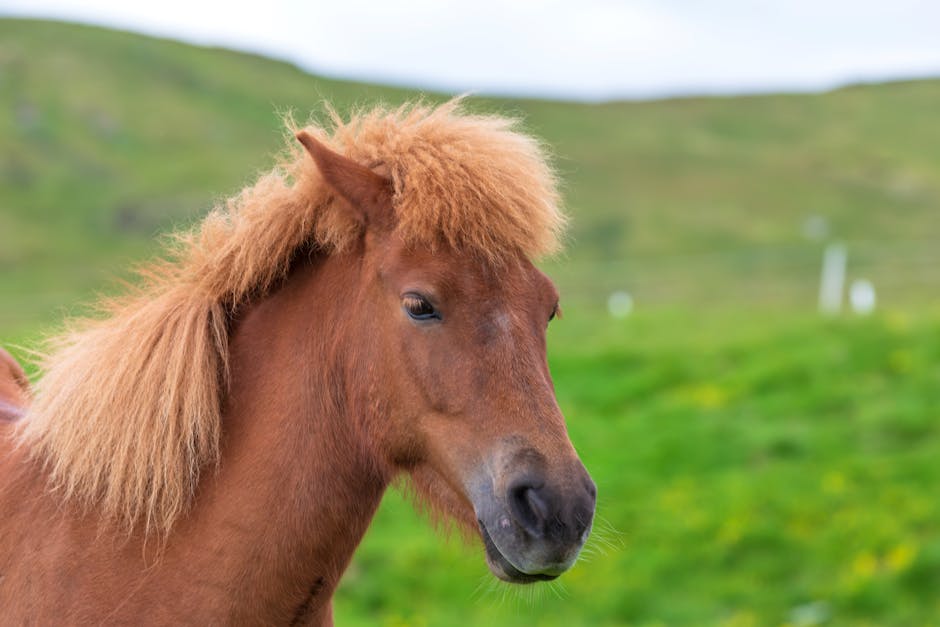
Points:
[[369, 193]]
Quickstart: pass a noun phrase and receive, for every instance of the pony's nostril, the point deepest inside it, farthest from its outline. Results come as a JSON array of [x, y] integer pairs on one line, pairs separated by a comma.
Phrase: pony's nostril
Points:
[[544, 514], [529, 509], [537, 503]]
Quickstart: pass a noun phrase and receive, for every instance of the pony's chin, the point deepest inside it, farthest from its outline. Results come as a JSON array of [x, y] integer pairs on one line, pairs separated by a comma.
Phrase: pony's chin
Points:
[[502, 568]]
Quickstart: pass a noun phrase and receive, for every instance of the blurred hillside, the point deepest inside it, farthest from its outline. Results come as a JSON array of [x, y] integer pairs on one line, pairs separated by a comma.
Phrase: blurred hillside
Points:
[[109, 138]]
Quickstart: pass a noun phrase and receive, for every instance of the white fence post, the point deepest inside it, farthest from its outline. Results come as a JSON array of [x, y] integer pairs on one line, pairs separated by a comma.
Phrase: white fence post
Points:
[[832, 280]]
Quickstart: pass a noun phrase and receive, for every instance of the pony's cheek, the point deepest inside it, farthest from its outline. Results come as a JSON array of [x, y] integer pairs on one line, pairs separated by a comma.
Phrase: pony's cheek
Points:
[[442, 382]]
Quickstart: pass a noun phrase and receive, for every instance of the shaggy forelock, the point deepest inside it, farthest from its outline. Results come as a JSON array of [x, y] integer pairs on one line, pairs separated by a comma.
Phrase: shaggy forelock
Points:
[[127, 413]]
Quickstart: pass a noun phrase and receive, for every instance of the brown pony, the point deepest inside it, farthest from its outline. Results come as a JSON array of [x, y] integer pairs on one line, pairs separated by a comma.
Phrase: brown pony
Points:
[[213, 447]]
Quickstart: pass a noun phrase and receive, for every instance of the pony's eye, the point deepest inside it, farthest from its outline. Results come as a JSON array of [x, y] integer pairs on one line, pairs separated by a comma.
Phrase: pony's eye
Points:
[[556, 312], [419, 308]]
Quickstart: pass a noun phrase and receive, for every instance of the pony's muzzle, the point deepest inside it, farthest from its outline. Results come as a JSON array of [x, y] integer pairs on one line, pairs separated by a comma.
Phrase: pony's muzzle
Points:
[[535, 529]]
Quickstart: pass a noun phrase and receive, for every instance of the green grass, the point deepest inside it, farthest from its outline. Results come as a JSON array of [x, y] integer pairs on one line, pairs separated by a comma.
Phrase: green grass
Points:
[[757, 465]]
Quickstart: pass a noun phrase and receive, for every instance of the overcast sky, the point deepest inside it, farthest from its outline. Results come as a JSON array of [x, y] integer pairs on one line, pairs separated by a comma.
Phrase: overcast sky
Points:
[[585, 49]]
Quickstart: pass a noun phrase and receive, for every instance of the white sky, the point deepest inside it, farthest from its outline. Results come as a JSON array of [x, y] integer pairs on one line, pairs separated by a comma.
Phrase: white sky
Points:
[[584, 49]]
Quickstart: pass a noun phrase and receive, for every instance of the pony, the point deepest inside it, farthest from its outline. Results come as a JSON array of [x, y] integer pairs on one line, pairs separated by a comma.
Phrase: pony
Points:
[[211, 447]]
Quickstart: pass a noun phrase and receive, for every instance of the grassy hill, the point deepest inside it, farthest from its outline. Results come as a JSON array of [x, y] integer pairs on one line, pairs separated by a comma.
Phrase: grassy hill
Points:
[[756, 464], [109, 138]]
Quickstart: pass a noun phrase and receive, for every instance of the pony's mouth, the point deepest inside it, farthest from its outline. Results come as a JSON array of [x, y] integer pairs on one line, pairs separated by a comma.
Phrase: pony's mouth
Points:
[[502, 567]]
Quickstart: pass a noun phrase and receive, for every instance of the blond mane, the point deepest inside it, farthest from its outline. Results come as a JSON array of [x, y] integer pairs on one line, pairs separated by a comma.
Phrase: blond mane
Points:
[[127, 412]]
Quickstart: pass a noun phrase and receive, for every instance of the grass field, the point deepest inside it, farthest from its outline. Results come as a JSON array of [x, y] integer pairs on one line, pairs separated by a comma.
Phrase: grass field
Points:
[[756, 464]]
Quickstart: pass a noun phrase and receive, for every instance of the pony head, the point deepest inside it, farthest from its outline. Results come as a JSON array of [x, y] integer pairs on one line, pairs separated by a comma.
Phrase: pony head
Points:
[[453, 387]]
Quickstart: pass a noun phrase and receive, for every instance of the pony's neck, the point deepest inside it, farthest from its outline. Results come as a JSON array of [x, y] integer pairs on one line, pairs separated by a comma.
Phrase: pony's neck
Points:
[[299, 483]]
